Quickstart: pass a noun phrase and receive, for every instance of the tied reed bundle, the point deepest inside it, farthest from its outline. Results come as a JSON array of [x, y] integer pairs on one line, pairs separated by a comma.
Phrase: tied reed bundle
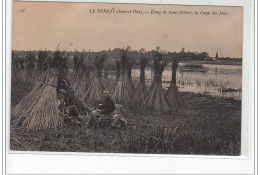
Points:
[[95, 91], [156, 99], [141, 92], [123, 92], [173, 96], [80, 86], [105, 80], [39, 108]]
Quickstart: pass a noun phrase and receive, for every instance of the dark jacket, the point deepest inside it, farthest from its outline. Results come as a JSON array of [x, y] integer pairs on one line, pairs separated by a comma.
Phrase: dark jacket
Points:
[[107, 106]]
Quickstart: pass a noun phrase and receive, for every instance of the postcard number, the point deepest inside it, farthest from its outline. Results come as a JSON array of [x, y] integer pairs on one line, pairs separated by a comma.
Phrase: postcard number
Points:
[[22, 10]]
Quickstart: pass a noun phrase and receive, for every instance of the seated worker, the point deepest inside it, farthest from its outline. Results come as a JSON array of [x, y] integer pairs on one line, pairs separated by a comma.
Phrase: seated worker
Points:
[[106, 109]]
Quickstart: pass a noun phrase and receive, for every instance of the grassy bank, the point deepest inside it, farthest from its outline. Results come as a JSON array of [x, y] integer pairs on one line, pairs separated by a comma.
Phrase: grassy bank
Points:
[[210, 125]]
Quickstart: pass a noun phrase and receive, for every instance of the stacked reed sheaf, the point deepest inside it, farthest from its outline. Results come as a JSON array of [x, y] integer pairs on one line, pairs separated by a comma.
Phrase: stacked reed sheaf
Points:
[[88, 80], [39, 108]]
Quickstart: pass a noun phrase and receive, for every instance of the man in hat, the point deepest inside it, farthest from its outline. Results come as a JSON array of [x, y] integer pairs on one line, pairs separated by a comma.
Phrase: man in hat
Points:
[[105, 109], [108, 105]]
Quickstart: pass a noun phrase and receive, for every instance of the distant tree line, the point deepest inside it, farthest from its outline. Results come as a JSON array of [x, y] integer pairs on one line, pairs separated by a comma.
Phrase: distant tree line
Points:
[[113, 54], [228, 59]]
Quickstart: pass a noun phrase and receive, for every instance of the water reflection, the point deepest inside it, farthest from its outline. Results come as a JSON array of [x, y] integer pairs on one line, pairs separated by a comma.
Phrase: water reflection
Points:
[[218, 80]]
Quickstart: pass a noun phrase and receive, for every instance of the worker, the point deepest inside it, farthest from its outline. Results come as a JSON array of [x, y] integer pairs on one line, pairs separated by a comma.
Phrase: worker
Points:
[[69, 112], [106, 109]]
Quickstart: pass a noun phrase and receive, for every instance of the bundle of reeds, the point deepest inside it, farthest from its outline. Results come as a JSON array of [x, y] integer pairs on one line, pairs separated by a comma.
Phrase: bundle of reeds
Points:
[[73, 77], [156, 99], [141, 92], [22, 75], [60, 60], [123, 91], [105, 80], [13, 74], [129, 68], [74, 100], [18, 68], [44, 60], [117, 69], [95, 91], [88, 73], [26, 76], [39, 108], [81, 85], [173, 96], [76, 61], [14, 67], [30, 61]]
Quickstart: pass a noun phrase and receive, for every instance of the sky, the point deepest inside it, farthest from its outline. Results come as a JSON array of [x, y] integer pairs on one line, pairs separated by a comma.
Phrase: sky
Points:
[[44, 25]]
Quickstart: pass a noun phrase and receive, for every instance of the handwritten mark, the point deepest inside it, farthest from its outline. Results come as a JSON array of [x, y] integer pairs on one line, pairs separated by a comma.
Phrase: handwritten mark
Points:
[[22, 10]]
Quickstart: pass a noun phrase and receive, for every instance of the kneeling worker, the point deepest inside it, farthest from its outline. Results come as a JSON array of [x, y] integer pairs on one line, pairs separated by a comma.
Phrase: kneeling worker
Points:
[[68, 112]]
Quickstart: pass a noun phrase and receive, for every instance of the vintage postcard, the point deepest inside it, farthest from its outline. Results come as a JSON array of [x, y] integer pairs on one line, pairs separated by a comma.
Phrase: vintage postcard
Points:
[[126, 78]]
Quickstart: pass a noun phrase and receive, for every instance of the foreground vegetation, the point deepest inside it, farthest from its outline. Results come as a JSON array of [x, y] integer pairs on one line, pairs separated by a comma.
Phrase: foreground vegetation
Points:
[[211, 125]]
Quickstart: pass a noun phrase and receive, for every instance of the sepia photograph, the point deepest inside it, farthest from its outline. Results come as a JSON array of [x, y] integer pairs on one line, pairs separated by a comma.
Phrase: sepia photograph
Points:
[[126, 78]]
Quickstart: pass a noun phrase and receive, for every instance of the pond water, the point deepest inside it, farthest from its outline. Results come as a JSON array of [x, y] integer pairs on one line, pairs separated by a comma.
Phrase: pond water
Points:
[[216, 80]]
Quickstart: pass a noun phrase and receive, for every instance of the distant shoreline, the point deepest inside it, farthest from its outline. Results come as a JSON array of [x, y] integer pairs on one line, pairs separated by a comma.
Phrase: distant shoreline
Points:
[[219, 62]]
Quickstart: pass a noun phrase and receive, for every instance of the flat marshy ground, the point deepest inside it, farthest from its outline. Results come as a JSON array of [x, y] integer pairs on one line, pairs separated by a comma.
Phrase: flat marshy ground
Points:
[[208, 126]]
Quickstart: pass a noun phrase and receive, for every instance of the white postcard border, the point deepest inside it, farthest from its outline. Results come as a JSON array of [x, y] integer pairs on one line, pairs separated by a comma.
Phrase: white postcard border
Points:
[[77, 163]]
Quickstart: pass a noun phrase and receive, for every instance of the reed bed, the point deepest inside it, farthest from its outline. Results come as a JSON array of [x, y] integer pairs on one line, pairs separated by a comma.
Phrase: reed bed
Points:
[[198, 130]]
